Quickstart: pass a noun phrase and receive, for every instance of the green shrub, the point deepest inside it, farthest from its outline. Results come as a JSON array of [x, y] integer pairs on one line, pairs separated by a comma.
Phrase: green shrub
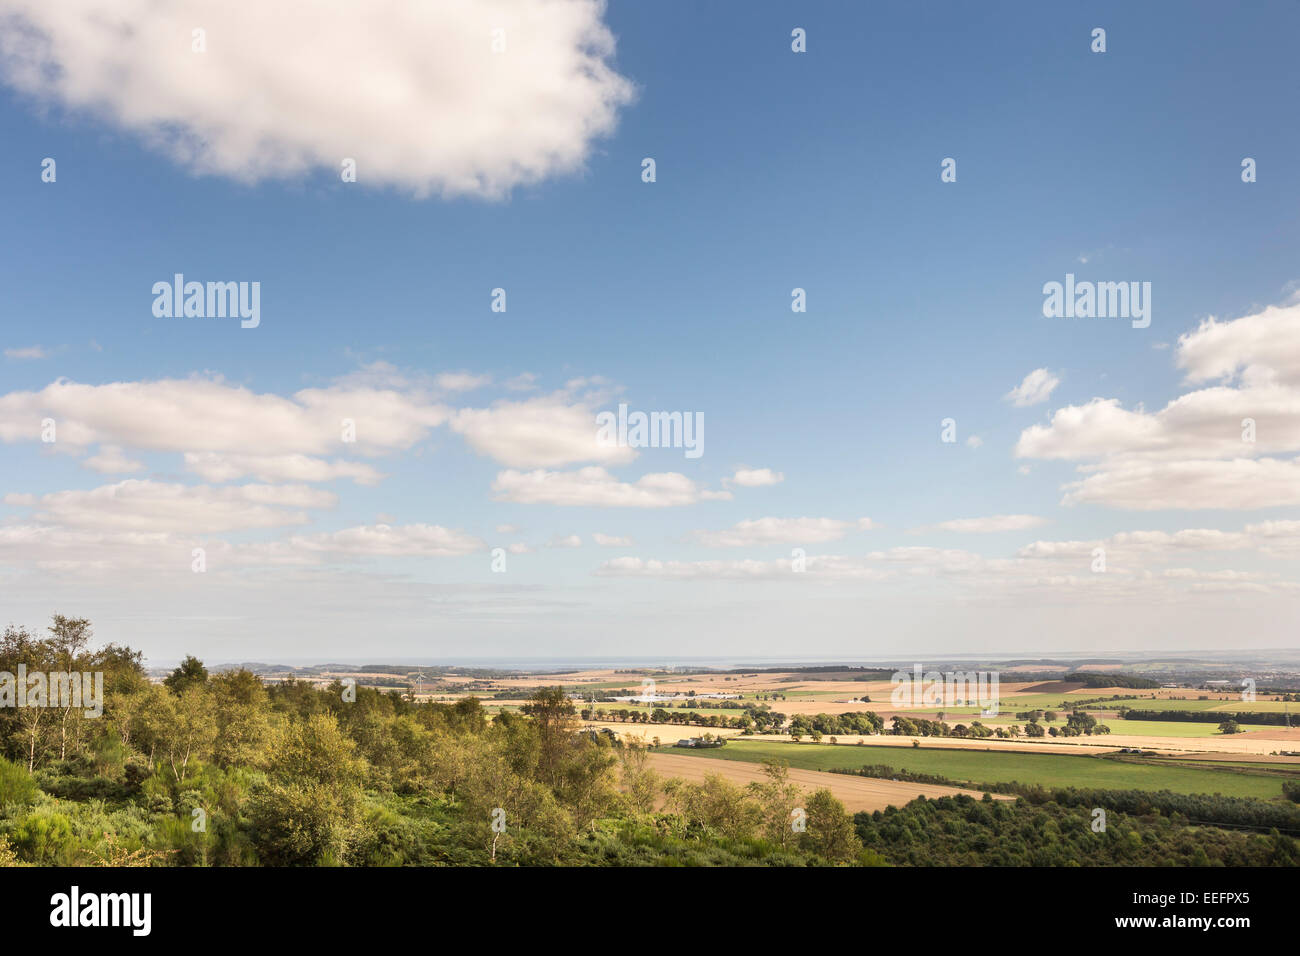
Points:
[[16, 785]]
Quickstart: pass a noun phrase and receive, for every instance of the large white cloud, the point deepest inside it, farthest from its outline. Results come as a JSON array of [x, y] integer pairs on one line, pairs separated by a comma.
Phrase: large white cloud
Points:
[[414, 92], [539, 433], [1264, 346], [1214, 447], [208, 414], [1240, 484]]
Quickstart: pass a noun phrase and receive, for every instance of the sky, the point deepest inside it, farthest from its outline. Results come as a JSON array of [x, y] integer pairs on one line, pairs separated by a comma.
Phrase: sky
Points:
[[202, 492]]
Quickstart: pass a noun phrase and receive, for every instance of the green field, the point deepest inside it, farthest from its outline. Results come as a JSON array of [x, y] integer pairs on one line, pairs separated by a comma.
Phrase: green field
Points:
[[985, 766], [1167, 728]]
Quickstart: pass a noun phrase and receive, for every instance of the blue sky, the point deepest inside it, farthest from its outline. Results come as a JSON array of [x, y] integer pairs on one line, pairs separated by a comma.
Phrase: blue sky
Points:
[[775, 170]]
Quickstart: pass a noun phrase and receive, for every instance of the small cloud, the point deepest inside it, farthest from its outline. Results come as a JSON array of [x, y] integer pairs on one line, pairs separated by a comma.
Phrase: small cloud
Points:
[[1037, 387], [1023, 469], [611, 541], [31, 352], [568, 541], [518, 547], [385, 518], [754, 532], [754, 477], [987, 525], [462, 381], [1160, 346], [523, 382], [974, 441], [507, 529]]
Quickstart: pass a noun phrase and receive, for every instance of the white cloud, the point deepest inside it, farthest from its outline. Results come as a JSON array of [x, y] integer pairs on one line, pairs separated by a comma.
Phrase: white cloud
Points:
[[1208, 448], [754, 477], [1037, 387], [213, 466], [565, 541], [1270, 538], [595, 487], [462, 381], [1263, 347], [541, 432], [112, 461], [414, 93], [992, 523], [824, 567], [207, 414], [412, 540], [47, 548], [507, 529], [1241, 483], [611, 541], [1201, 424], [30, 352], [974, 441], [688, 570], [523, 382], [761, 531], [135, 505]]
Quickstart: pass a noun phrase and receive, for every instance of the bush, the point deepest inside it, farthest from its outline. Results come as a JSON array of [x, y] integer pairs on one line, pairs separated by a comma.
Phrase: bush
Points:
[[46, 838], [16, 784], [296, 825]]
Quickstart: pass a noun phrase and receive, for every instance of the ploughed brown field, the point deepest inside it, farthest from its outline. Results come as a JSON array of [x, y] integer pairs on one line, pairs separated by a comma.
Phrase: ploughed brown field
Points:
[[856, 793]]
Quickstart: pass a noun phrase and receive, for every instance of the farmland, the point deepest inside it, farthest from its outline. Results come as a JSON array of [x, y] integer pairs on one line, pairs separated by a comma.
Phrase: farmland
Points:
[[980, 767]]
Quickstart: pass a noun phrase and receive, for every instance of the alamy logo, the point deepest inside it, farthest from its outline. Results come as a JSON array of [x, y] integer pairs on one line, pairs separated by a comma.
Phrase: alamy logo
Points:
[[59, 689], [951, 689], [1098, 300], [134, 910], [653, 430], [213, 300]]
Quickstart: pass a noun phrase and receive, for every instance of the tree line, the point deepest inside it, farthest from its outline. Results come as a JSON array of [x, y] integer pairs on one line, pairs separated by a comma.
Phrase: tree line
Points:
[[221, 769]]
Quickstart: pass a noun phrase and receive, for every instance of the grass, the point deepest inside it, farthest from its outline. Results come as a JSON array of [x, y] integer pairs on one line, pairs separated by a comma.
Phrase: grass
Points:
[[980, 766], [1167, 728]]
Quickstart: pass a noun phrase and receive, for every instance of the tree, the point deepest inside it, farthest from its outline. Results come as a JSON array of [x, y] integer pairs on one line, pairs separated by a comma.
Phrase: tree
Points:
[[68, 639], [241, 718], [308, 811], [25, 726], [1229, 727], [716, 804], [776, 797], [504, 805], [830, 832], [554, 714], [191, 729], [190, 673], [640, 784]]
